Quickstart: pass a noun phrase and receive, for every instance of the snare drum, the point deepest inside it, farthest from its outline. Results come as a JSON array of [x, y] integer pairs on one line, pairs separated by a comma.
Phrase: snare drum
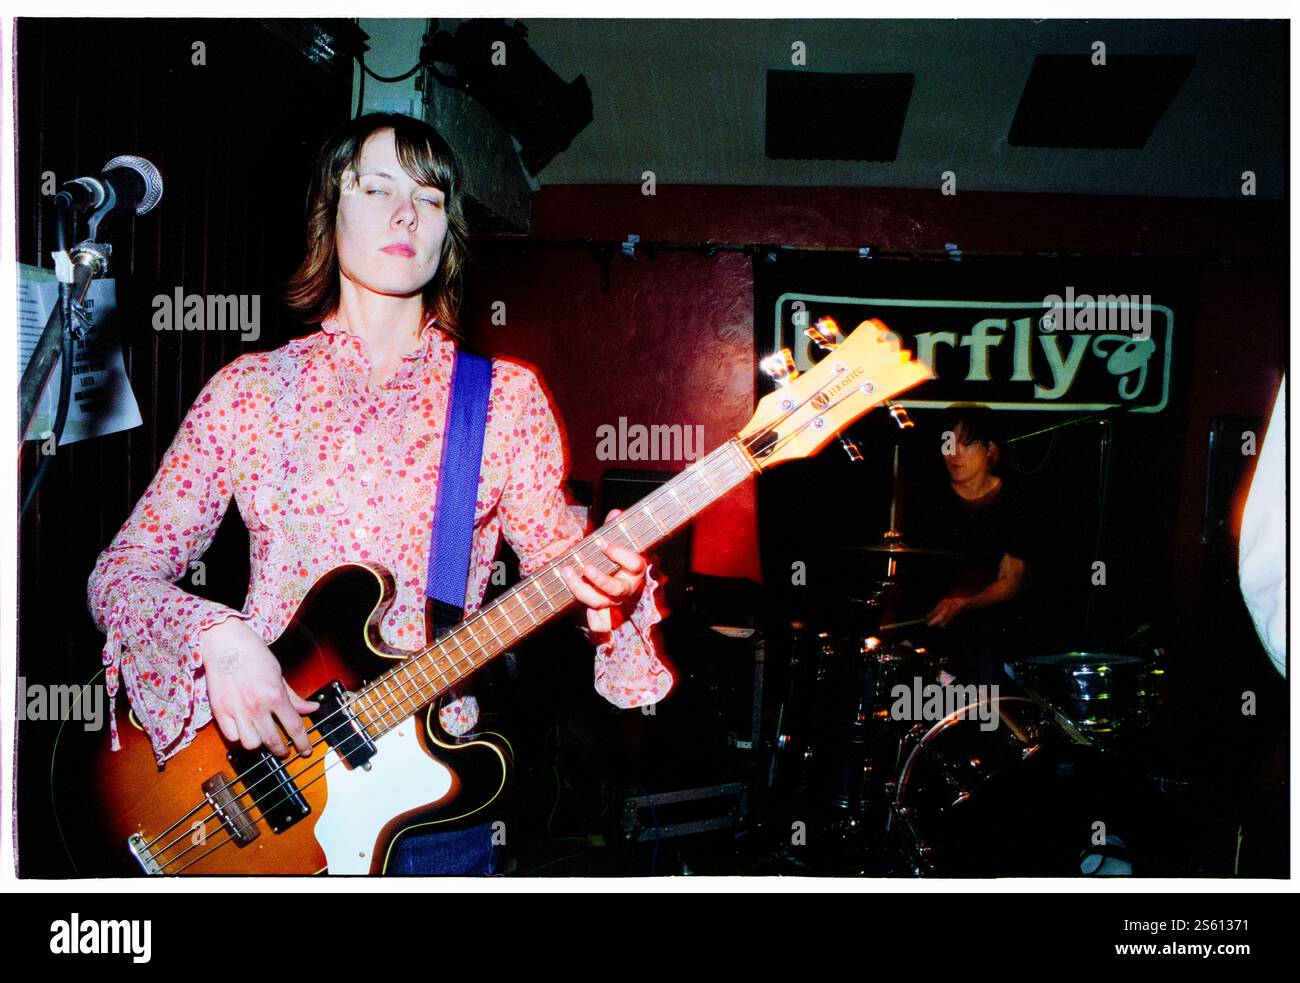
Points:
[[1101, 693]]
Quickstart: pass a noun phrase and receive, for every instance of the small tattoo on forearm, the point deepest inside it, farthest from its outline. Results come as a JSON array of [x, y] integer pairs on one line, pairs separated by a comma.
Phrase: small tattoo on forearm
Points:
[[228, 661]]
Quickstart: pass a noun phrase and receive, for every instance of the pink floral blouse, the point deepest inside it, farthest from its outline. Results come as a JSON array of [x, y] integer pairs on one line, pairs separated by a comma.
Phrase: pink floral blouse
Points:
[[324, 471]]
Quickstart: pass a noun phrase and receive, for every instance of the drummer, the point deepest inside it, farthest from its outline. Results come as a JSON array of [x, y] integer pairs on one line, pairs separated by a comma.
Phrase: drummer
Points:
[[982, 514]]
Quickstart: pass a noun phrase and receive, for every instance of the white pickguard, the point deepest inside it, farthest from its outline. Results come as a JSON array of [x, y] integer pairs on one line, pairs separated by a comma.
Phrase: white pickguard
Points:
[[402, 776]]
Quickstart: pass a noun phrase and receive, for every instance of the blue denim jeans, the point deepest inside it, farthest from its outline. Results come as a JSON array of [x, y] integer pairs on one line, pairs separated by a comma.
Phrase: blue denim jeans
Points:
[[457, 853]]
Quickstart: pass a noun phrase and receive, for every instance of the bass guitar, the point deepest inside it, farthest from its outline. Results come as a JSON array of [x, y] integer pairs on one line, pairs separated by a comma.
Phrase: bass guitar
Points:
[[380, 767]]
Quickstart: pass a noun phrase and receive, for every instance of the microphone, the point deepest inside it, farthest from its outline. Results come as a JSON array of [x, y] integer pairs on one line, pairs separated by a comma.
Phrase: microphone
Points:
[[126, 183]]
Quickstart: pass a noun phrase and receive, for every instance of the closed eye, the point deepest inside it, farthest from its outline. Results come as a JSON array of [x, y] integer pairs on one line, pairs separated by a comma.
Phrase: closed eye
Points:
[[434, 202]]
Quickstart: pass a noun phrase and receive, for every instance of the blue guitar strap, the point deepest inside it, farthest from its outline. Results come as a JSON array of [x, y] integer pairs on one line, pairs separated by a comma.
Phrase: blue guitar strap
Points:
[[452, 535]]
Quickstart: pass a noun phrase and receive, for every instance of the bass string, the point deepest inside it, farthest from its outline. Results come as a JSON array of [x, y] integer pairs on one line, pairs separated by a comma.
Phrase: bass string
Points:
[[642, 508], [243, 812], [748, 444], [639, 520]]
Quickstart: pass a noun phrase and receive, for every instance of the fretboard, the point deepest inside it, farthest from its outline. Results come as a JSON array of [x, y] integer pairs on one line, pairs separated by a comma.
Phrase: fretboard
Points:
[[427, 674]]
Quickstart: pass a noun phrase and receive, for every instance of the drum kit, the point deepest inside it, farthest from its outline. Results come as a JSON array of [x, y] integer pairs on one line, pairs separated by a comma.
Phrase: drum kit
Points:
[[1007, 780]]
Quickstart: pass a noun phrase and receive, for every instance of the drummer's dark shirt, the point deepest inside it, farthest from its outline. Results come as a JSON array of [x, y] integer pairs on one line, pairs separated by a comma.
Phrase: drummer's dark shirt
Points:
[[983, 531]]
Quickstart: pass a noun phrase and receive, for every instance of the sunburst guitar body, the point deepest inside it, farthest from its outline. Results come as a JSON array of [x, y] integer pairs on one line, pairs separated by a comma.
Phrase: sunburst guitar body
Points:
[[215, 808]]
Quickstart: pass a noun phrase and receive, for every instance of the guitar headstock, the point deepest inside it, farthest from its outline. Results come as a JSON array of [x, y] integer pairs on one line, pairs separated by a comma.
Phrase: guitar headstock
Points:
[[807, 409]]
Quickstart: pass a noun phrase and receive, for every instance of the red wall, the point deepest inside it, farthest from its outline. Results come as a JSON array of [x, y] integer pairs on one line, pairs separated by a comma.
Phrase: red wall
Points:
[[672, 339], [672, 342]]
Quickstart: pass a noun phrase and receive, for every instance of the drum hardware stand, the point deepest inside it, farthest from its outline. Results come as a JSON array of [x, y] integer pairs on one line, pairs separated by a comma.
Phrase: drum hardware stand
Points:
[[859, 752], [892, 541], [893, 536], [783, 742]]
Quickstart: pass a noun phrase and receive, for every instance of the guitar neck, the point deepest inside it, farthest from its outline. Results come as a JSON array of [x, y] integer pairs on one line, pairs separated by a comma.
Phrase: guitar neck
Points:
[[806, 410], [536, 600]]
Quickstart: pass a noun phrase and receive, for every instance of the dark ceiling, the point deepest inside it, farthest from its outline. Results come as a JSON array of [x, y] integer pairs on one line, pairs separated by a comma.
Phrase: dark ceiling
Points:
[[687, 100]]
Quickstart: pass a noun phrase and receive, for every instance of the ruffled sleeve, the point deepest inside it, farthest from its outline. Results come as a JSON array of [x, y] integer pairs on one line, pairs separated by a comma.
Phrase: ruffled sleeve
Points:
[[151, 626], [628, 671]]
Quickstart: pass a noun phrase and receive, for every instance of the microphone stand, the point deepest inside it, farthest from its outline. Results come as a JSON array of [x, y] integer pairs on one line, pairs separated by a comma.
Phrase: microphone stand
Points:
[[64, 329], [1104, 449], [1105, 415]]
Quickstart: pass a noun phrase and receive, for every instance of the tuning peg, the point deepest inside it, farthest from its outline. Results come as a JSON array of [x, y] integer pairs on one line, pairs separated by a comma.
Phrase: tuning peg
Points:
[[851, 449], [825, 334], [779, 367], [899, 413]]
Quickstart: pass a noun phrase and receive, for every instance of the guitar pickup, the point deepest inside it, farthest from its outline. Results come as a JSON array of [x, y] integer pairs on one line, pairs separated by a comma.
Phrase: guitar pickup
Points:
[[269, 785], [227, 808], [336, 724]]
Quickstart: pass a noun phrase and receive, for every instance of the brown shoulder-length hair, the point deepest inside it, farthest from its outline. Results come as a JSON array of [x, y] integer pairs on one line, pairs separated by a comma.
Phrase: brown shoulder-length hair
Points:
[[313, 290]]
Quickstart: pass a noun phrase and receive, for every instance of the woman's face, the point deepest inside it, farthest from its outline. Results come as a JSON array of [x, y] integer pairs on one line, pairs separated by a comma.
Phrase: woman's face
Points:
[[389, 228]]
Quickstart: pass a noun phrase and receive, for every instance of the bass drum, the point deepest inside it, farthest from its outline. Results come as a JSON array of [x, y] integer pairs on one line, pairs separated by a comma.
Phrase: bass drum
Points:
[[996, 789]]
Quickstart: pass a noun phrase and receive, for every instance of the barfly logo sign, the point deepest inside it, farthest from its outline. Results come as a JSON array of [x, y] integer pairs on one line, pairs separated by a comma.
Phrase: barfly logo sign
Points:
[[1067, 351]]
